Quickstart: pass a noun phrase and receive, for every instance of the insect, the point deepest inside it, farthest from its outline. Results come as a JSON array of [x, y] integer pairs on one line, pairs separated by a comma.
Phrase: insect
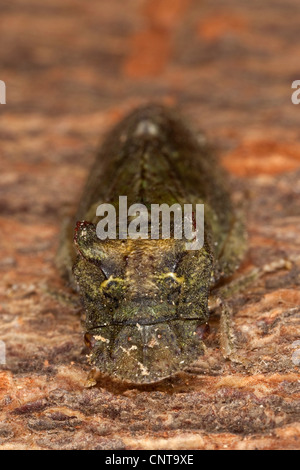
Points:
[[146, 300]]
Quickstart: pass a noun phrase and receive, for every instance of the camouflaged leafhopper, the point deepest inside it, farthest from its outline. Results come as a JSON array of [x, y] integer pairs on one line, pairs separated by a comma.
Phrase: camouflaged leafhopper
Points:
[[146, 301]]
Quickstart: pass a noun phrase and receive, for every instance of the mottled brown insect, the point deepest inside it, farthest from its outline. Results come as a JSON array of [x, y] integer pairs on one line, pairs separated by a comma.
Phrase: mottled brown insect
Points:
[[146, 301]]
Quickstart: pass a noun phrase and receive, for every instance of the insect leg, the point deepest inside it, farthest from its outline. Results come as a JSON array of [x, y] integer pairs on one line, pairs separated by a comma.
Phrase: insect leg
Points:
[[227, 336], [241, 283]]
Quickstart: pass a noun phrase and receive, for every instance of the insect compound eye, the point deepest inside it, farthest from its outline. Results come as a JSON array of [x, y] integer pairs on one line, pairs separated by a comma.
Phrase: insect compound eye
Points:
[[203, 330], [89, 340]]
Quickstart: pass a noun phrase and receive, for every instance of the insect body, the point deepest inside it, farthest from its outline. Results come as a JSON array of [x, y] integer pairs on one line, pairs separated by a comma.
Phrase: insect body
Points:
[[146, 300]]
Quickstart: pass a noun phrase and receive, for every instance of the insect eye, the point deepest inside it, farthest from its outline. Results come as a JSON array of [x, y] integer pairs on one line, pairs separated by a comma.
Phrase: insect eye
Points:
[[203, 331], [89, 340]]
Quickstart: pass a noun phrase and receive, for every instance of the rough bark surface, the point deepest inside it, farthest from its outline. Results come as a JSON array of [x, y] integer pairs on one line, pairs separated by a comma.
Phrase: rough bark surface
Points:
[[72, 69]]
